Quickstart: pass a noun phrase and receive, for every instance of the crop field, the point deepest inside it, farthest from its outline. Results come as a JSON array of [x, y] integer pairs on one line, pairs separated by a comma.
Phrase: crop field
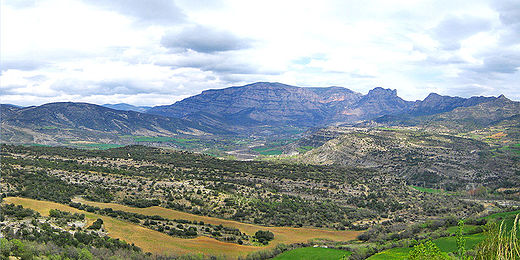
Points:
[[268, 151], [147, 239], [313, 253], [430, 190], [285, 235], [157, 242], [97, 146]]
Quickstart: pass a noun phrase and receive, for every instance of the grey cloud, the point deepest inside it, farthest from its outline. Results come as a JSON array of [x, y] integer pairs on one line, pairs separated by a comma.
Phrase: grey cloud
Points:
[[509, 13], [215, 62], [467, 90], [203, 39], [501, 63], [29, 64], [453, 29], [149, 11], [107, 87], [20, 3]]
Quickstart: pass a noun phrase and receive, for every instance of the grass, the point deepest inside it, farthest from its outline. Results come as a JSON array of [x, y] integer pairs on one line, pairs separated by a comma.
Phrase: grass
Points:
[[157, 242], [162, 139], [394, 253], [268, 151], [430, 190], [303, 149], [285, 235], [466, 229], [445, 244], [98, 146], [507, 217], [313, 253], [147, 239]]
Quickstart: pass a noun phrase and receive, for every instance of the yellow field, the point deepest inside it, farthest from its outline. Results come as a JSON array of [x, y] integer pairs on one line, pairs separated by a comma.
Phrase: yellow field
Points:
[[157, 242], [285, 235]]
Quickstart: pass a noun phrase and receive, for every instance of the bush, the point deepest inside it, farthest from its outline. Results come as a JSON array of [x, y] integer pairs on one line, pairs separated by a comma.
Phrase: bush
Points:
[[264, 236], [97, 224]]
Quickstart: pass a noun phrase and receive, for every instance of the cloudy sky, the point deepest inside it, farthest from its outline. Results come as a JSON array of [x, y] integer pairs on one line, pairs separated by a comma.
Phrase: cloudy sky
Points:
[[152, 52]]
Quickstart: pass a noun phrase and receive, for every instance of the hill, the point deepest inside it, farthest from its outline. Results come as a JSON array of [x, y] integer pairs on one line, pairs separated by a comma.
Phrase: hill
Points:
[[462, 148], [66, 121], [127, 107]]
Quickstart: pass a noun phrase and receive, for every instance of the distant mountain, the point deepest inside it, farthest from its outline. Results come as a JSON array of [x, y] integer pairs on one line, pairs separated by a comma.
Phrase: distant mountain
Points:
[[264, 104], [65, 121], [378, 102], [435, 103], [127, 107], [279, 104], [473, 113]]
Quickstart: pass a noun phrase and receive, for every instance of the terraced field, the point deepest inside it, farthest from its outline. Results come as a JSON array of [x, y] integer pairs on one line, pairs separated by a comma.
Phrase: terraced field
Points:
[[157, 242]]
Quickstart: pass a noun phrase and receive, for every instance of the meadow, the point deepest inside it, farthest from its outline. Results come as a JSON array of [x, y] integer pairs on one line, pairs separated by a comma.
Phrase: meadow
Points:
[[313, 253]]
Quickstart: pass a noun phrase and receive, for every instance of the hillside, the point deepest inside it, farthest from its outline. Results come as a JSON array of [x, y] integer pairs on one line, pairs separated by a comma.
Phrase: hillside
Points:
[[437, 160], [127, 107], [62, 122], [463, 118], [462, 148], [254, 107]]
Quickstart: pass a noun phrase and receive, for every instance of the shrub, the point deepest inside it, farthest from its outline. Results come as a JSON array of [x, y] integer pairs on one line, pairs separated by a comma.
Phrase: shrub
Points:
[[264, 236]]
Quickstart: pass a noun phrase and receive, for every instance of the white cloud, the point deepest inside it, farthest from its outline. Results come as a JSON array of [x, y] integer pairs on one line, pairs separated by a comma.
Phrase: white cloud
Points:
[[154, 53]]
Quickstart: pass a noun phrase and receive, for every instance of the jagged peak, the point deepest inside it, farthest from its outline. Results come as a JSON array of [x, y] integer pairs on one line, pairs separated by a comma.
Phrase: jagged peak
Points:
[[502, 97], [382, 91]]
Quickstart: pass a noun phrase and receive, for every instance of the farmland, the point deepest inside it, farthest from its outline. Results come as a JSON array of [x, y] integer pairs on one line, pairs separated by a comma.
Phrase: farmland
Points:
[[313, 253]]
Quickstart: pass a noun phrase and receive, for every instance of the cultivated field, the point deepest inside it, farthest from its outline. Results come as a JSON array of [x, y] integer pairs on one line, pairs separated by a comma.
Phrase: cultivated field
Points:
[[157, 242], [285, 235], [313, 253]]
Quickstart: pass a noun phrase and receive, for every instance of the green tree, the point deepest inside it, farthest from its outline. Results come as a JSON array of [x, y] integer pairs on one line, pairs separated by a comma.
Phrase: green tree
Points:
[[426, 251], [461, 241]]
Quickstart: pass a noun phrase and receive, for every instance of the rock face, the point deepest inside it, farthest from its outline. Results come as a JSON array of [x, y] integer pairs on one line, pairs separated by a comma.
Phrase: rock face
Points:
[[276, 103], [435, 103]]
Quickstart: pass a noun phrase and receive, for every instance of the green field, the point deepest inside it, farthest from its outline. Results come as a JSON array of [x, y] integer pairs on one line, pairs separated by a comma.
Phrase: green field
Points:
[[445, 244], [311, 253], [98, 146], [303, 149], [394, 253], [268, 151], [448, 244], [430, 190], [162, 139]]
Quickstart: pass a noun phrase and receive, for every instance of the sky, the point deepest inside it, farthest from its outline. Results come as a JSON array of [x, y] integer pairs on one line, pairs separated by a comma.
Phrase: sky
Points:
[[156, 52]]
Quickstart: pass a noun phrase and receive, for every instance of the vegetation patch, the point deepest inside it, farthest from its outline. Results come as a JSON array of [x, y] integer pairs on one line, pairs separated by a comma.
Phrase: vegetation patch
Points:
[[313, 253]]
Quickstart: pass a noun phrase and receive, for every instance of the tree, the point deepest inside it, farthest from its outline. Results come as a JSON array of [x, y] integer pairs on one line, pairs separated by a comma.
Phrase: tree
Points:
[[461, 241], [264, 236], [97, 224], [426, 251]]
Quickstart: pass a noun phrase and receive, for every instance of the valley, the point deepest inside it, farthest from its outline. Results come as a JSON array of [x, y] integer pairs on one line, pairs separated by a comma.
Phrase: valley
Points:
[[167, 182]]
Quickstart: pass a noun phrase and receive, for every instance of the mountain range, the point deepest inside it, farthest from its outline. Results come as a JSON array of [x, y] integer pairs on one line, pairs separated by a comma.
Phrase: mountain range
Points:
[[258, 108], [62, 122], [277, 104]]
